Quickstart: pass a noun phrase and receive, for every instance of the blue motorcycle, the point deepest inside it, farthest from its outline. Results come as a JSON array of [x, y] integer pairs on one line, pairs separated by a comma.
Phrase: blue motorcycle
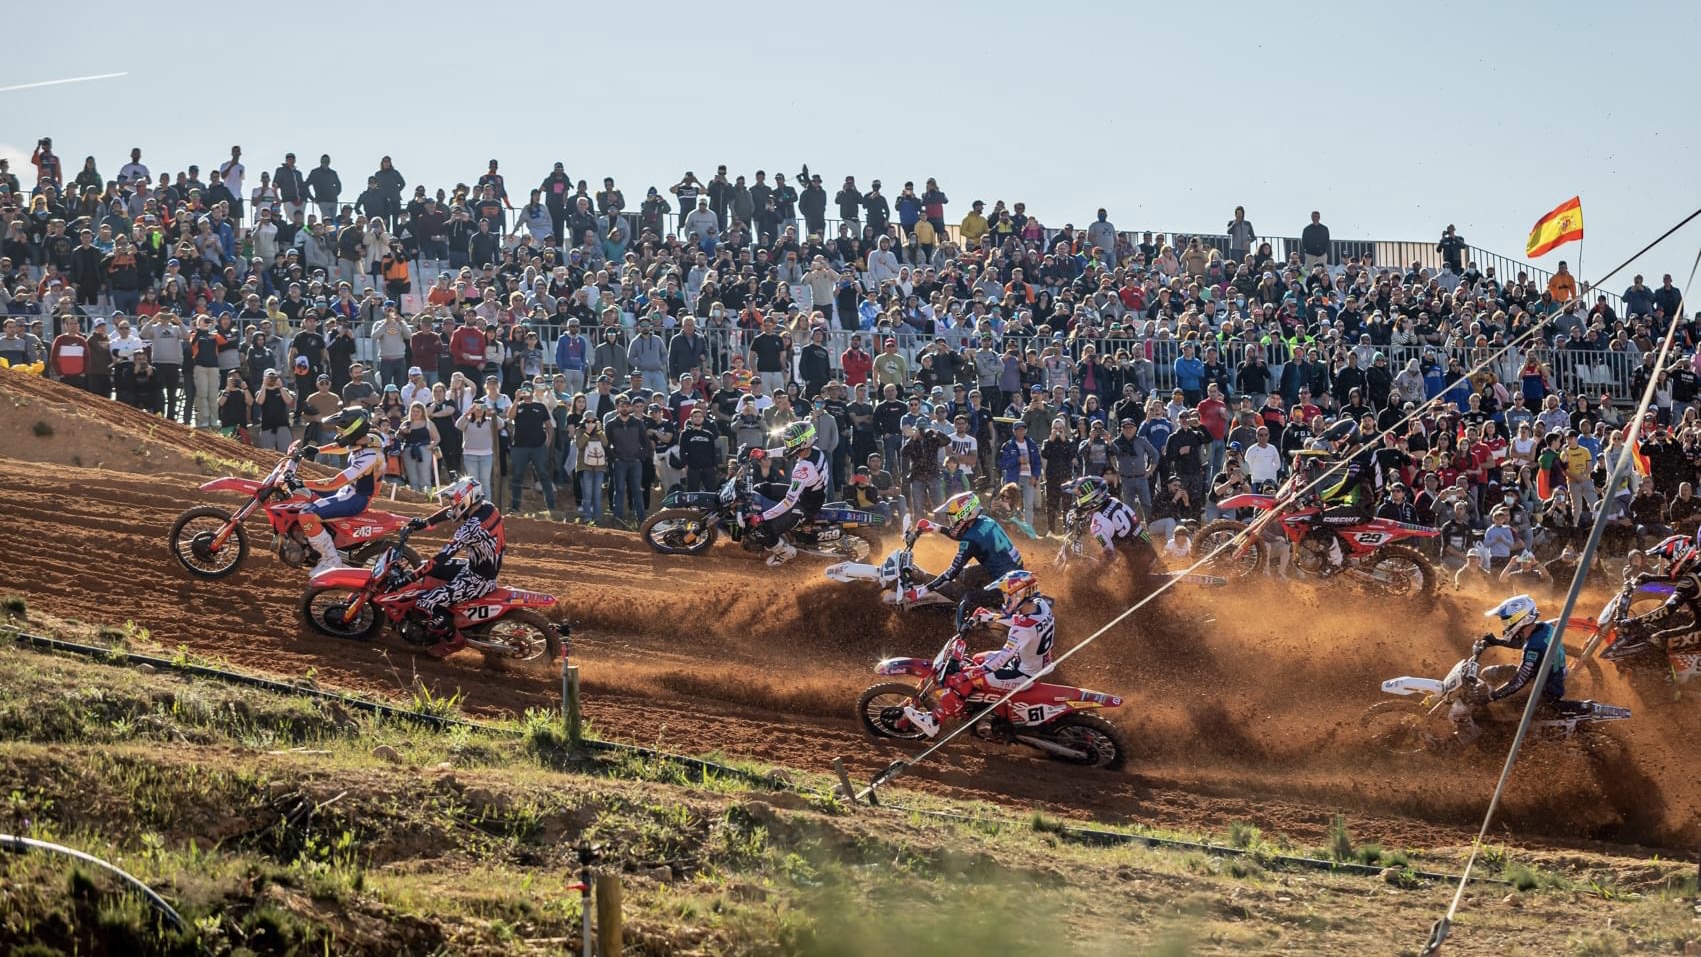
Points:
[[690, 522]]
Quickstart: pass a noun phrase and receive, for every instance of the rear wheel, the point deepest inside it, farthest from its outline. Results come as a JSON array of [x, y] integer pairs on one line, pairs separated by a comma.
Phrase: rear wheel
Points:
[[191, 541], [1402, 726], [678, 531], [881, 711], [325, 607], [1096, 738], [527, 635], [1222, 533], [1403, 572], [856, 545]]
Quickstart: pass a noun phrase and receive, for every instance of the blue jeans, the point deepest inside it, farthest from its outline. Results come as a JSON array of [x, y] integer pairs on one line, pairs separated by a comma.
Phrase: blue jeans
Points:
[[535, 458], [478, 466], [655, 381], [1219, 450], [590, 494], [628, 490]]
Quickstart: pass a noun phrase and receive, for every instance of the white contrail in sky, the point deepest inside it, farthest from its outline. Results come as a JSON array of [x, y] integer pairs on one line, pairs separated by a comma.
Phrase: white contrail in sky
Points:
[[74, 79]]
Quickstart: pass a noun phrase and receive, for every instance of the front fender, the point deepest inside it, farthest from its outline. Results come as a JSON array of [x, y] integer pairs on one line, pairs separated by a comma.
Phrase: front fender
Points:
[[1411, 686], [913, 667], [352, 578], [231, 483], [1260, 502]]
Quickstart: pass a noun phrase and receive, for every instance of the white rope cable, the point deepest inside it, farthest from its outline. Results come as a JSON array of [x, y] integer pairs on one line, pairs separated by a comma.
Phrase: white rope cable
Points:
[[901, 765], [1438, 933]]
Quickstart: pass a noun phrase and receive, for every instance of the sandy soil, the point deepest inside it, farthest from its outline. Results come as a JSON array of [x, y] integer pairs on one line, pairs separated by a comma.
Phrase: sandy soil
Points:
[[1241, 707]]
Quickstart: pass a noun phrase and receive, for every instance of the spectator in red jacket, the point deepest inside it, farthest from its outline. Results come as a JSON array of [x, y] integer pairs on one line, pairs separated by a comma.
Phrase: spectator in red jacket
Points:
[[68, 360], [856, 362], [466, 350]]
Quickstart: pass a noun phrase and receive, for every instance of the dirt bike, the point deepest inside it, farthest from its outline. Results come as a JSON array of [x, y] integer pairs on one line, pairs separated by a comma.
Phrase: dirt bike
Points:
[[1077, 551], [210, 542], [1440, 714], [1052, 719], [1657, 673], [897, 576], [689, 522], [354, 603], [1372, 555]]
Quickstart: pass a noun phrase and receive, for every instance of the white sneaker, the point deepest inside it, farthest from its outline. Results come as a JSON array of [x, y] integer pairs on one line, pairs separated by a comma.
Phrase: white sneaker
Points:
[[924, 721]]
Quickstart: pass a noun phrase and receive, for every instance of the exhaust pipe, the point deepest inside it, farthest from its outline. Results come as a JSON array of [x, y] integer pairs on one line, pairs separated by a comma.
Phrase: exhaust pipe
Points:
[[1051, 747]]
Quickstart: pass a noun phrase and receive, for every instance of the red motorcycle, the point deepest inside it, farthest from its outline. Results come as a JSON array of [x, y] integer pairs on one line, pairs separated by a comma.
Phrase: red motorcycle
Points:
[[1371, 551], [211, 543], [1052, 719], [354, 603]]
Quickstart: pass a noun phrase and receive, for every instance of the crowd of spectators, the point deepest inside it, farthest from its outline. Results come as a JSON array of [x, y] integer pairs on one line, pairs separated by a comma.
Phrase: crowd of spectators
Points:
[[934, 351]]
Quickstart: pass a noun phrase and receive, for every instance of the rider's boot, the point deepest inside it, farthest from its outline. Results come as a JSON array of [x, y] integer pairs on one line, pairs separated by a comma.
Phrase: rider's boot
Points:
[[781, 552], [924, 721], [326, 546], [442, 628]]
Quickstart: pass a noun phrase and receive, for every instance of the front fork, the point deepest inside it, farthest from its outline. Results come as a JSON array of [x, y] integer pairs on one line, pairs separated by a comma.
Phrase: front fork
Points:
[[229, 528]]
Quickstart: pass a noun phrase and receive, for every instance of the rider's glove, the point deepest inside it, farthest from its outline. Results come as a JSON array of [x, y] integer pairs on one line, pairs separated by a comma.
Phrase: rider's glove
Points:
[[1478, 648], [416, 524], [984, 614], [752, 519]]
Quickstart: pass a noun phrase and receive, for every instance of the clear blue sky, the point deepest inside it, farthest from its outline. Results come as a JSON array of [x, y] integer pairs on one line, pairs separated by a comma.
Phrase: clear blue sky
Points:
[[1391, 119]]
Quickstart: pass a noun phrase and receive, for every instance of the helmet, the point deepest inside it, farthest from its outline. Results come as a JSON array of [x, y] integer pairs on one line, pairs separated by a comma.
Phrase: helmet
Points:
[[1514, 613], [1679, 553], [1017, 586], [1342, 431], [799, 436], [461, 496], [350, 426], [1090, 493], [960, 510]]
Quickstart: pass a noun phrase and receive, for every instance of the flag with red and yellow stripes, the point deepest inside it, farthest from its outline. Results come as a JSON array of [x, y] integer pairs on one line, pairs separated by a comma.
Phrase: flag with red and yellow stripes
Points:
[[1563, 225]]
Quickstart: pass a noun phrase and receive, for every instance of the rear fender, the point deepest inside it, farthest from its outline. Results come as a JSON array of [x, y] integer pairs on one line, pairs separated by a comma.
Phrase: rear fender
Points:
[[849, 517], [515, 598], [1076, 699], [231, 483], [912, 667], [365, 527]]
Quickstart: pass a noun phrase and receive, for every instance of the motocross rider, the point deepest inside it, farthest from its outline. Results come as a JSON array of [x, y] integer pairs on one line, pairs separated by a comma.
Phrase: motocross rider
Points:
[[481, 539], [1341, 494], [1682, 557], [1026, 653], [1111, 524], [804, 496], [981, 538], [1522, 628], [345, 494]]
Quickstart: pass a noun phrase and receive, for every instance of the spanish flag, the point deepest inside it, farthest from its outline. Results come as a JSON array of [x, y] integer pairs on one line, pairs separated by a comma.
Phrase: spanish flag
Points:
[[1557, 228], [1638, 458]]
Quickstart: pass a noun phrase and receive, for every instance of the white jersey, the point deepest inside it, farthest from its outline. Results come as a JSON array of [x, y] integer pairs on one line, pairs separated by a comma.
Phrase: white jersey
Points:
[[1027, 649], [808, 474], [1112, 523]]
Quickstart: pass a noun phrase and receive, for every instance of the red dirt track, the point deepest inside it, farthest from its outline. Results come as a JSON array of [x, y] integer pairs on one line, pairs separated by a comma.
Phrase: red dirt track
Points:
[[1249, 717]]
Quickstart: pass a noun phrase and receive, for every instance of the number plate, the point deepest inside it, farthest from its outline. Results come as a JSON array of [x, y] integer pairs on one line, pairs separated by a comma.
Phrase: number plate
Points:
[[827, 535]]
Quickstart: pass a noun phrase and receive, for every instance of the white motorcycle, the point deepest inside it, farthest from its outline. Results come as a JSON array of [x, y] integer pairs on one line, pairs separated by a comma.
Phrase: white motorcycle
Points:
[[1435, 714], [899, 580]]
